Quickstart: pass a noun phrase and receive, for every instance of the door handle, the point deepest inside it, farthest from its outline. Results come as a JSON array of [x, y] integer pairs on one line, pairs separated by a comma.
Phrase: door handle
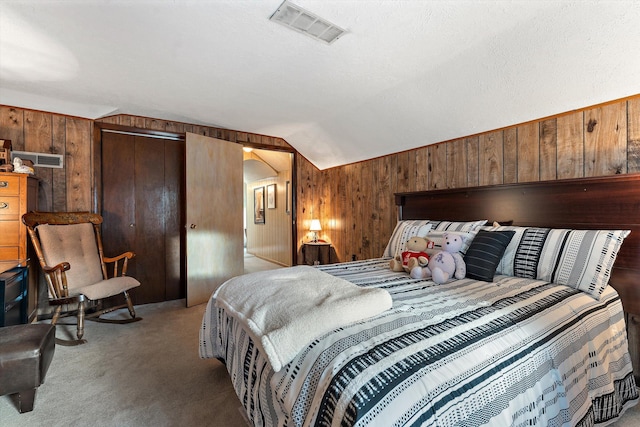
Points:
[[4, 205], [192, 226]]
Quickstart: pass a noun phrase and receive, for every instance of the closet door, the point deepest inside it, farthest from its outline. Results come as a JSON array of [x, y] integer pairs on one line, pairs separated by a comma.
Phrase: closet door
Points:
[[215, 235], [142, 181]]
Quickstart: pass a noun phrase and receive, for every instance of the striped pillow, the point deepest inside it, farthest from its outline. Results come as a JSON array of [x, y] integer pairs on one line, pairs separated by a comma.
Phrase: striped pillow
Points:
[[437, 238], [402, 233], [582, 259], [420, 227], [457, 225]]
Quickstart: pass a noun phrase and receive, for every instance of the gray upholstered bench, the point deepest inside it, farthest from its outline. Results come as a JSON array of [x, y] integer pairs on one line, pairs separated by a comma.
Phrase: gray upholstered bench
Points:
[[25, 354]]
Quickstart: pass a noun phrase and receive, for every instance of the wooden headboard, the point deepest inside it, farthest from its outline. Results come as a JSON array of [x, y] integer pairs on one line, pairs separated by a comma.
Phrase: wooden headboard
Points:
[[589, 203]]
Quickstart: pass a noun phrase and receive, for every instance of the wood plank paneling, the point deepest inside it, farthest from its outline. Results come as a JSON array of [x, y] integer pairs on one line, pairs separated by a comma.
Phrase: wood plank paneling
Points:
[[510, 156], [79, 175], [357, 209], [370, 192], [405, 175], [12, 126], [473, 160], [383, 206], [605, 141], [633, 148], [437, 166], [548, 149], [490, 166], [422, 169], [457, 162], [57, 202], [38, 130], [570, 154], [528, 152]]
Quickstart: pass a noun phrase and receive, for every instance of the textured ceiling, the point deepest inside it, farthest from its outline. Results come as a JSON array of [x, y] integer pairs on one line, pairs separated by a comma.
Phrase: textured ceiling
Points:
[[407, 74]]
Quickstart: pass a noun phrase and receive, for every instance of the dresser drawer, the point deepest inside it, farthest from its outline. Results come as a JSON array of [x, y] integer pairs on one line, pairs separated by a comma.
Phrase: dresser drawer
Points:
[[10, 207], [9, 185], [9, 252], [9, 232]]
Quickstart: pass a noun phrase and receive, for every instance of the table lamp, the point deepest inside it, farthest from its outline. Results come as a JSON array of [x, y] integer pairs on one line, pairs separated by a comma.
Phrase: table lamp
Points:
[[315, 227]]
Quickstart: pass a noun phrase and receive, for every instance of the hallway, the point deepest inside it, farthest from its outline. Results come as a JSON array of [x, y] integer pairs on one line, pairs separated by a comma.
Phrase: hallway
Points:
[[252, 264]]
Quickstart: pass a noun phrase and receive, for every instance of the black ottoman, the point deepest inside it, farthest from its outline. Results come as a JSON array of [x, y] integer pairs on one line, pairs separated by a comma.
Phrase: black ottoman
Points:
[[25, 354]]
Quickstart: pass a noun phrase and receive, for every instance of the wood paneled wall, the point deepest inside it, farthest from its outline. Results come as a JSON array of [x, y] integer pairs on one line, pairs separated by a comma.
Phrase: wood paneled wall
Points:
[[355, 202], [64, 189], [72, 188]]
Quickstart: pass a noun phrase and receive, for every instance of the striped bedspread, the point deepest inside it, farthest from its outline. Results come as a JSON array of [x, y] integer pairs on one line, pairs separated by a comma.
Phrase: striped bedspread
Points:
[[517, 352]]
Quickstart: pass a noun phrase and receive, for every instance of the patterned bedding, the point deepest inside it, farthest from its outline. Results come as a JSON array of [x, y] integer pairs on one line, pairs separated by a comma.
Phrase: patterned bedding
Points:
[[514, 352]]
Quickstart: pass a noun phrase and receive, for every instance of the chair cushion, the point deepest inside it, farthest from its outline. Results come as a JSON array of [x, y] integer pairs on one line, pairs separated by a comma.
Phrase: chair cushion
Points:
[[75, 244], [107, 288]]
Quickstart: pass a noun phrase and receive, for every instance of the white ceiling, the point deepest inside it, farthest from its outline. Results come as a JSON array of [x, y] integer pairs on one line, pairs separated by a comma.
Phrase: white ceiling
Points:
[[407, 74]]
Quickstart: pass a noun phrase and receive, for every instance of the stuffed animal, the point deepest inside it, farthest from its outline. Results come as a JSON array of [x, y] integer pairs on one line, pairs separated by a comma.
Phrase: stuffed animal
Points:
[[414, 256], [446, 263], [20, 167]]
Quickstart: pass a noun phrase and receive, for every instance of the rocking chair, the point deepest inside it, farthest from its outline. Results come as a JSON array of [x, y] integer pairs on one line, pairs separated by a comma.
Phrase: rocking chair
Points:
[[69, 248]]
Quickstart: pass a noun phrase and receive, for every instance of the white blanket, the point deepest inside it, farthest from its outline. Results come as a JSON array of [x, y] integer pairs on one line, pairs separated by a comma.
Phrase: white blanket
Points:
[[285, 309]]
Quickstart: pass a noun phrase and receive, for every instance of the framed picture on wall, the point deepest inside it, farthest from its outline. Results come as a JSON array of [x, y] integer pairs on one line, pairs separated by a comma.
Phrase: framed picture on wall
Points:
[[258, 205], [271, 196]]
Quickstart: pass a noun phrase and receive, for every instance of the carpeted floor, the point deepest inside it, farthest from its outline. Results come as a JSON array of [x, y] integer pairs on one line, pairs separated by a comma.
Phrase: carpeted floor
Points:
[[146, 373]]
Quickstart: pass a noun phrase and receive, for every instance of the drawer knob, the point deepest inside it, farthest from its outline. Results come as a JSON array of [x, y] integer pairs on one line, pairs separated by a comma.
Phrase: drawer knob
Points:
[[4, 205], [4, 184]]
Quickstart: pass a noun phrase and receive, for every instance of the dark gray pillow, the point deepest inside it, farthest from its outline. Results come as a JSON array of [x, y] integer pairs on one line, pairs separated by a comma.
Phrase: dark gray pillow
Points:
[[485, 252]]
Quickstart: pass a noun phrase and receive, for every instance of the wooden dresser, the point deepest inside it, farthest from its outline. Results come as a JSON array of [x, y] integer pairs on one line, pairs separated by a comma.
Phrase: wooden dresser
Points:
[[18, 195]]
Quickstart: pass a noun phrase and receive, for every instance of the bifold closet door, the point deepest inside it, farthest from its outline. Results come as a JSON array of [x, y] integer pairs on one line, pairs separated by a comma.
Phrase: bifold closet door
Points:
[[142, 182]]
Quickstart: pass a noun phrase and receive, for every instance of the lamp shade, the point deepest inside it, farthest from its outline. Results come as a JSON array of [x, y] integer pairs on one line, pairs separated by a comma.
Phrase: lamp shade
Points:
[[315, 225]]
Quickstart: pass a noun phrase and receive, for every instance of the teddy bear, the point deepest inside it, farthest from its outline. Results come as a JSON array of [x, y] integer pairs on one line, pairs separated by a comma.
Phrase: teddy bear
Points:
[[446, 263], [414, 255]]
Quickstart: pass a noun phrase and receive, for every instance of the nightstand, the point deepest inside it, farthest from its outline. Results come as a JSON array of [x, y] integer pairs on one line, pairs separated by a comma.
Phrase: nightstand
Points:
[[316, 253], [13, 296]]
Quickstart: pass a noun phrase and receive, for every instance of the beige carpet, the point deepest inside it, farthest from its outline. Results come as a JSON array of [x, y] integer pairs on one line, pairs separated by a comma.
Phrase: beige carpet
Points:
[[142, 374], [146, 373]]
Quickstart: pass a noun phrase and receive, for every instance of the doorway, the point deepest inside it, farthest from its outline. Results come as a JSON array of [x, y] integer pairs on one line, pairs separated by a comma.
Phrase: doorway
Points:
[[140, 191], [268, 204]]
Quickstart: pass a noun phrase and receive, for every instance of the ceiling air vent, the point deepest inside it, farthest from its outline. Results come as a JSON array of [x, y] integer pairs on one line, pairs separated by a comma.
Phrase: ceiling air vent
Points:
[[302, 21], [42, 160]]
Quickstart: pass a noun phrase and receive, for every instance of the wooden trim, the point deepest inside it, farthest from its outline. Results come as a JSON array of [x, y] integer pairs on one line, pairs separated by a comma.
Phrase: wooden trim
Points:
[[109, 127]]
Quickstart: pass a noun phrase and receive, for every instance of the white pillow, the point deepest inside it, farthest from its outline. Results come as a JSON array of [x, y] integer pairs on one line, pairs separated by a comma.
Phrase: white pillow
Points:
[[457, 225], [582, 259]]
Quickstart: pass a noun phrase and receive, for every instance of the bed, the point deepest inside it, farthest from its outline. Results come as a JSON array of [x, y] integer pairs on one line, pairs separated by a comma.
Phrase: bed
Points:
[[519, 349]]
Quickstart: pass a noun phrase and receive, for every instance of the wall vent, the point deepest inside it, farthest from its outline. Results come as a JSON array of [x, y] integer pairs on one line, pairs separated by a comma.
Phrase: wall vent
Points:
[[43, 160], [307, 23]]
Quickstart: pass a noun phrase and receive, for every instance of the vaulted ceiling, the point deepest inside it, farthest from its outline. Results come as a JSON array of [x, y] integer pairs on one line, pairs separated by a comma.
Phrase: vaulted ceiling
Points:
[[406, 74]]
